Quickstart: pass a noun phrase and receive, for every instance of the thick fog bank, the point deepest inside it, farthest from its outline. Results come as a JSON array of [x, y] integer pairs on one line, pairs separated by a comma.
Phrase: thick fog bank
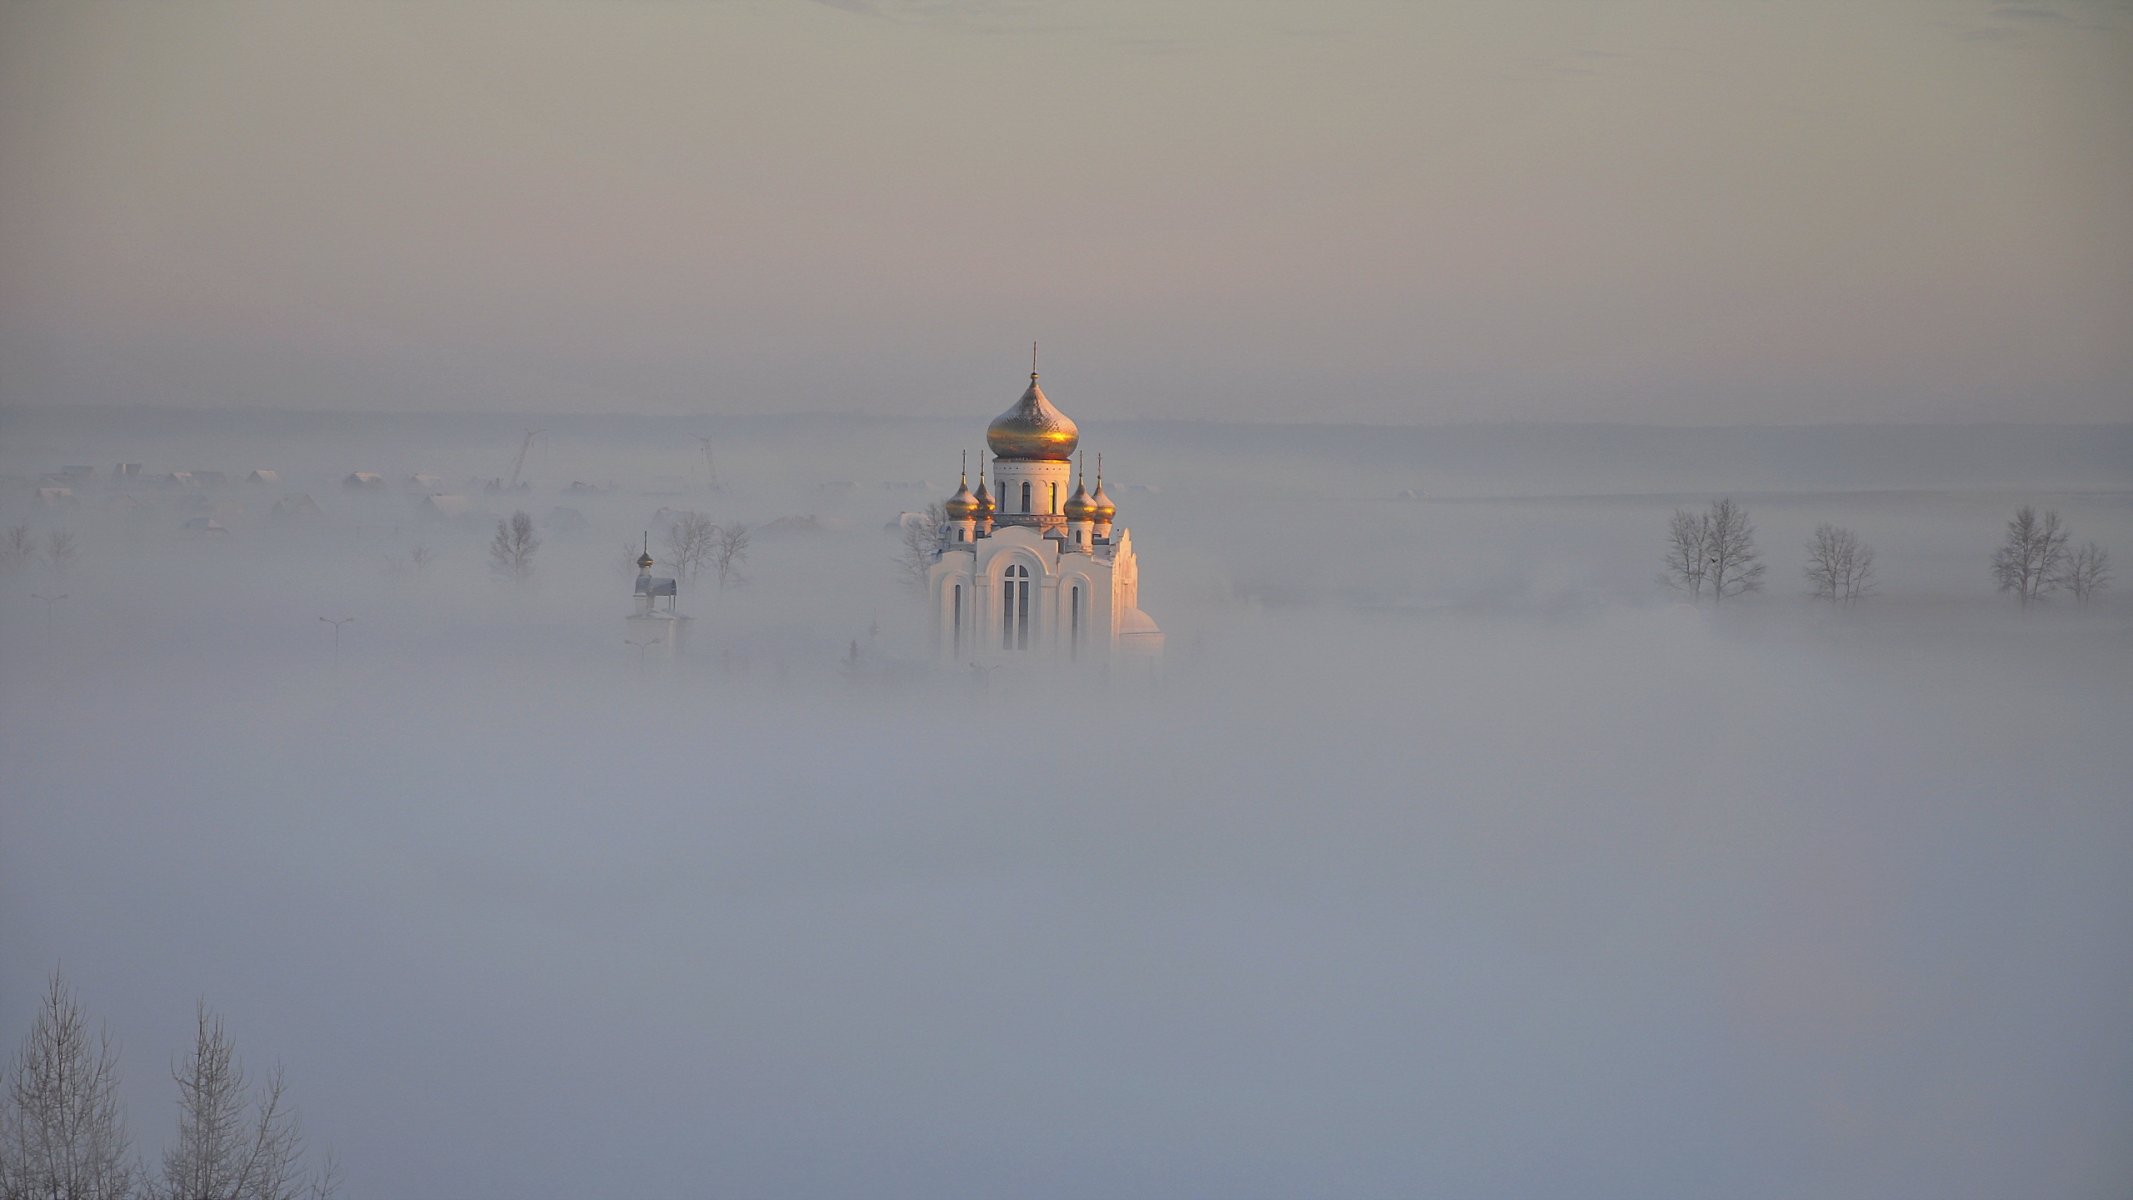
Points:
[[1444, 854]]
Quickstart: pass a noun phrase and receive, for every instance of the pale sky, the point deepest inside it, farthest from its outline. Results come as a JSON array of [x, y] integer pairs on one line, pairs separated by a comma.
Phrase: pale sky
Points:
[[1208, 209]]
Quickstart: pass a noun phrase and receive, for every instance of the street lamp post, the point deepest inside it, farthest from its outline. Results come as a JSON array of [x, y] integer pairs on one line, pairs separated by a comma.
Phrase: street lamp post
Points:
[[49, 601], [337, 637]]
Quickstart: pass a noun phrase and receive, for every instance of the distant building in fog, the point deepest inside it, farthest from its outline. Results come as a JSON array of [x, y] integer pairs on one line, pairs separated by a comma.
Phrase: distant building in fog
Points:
[[1027, 569], [654, 627]]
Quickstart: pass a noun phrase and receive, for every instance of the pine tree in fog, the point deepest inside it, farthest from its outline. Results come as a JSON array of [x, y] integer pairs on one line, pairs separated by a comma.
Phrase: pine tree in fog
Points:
[[511, 550], [1839, 565], [2088, 571], [62, 1136], [231, 1145], [2030, 561]]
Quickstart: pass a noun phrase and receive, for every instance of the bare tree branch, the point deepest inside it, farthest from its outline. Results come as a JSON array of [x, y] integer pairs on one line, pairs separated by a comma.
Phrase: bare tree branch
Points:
[[728, 550], [62, 1136], [2030, 561], [920, 537], [1839, 565], [2088, 571], [511, 551], [691, 542]]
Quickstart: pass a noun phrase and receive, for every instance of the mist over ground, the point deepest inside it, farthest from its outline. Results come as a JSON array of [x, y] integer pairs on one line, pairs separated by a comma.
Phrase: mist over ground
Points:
[[1446, 853]]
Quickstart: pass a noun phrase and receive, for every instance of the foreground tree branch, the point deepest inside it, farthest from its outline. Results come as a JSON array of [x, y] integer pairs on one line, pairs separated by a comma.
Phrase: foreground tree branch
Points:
[[62, 1136]]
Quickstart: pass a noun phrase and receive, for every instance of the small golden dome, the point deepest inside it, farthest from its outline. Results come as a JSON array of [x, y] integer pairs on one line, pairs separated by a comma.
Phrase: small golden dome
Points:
[[986, 504], [962, 506], [1105, 510], [1033, 429], [1079, 507]]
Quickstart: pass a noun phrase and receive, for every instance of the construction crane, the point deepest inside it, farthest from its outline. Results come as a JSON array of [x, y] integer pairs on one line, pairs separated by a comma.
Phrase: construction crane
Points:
[[519, 464], [709, 466]]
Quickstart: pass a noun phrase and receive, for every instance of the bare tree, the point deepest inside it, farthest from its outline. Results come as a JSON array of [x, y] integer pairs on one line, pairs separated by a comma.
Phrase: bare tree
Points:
[[511, 551], [1687, 536], [630, 553], [728, 550], [18, 547], [59, 550], [231, 1146], [1839, 565], [921, 535], [2088, 571], [62, 1136], [2030, 561], [690, 542], [1731, 562]]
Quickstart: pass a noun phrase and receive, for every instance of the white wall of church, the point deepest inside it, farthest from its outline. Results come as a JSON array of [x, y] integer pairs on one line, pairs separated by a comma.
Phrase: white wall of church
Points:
[[977, 616], [1050, 483]]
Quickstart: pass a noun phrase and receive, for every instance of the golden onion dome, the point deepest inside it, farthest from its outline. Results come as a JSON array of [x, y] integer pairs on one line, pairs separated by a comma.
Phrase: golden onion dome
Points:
[[962, 506], [644, 561], [1105, 510], [986, 505], [1079, 507], [1033, 429]]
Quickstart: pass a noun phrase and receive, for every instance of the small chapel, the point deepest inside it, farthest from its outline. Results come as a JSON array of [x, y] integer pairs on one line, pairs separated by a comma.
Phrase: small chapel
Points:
[[1029, 570]]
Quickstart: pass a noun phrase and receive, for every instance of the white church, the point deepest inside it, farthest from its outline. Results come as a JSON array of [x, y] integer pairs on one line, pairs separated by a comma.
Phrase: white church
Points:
[[1028, 570]]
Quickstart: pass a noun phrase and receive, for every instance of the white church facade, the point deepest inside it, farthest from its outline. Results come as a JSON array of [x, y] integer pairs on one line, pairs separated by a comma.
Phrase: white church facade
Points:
[[1027, 569]]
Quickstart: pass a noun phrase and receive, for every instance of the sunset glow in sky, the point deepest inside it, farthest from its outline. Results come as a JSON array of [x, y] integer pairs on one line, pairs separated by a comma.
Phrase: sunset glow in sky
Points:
[[1206, 209]]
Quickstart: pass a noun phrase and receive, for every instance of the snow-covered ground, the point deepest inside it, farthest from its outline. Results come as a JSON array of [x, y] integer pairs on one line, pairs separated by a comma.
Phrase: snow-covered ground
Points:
[[1448, 854]]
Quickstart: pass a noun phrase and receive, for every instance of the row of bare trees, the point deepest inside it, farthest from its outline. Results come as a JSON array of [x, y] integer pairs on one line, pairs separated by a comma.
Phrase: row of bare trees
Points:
[[2034, 559], [1714, 552], [695, 543], [63, 1134], [19, 547]]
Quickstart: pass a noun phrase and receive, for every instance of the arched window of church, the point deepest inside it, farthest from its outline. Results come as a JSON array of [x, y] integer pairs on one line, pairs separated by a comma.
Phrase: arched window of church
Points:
[[1025, 497], [959, 618], [1074, 621], [1055, 499], [1014, 607]]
